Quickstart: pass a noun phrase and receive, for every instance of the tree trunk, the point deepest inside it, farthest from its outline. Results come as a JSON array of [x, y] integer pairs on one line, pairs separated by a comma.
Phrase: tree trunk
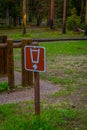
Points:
[[39, 17], [48, 17], [7, 17], [14, 21], [24, 16], [51, 14], [27, 11], [64, 18], [86, 20], [19, 12], [19, 21], [82, 11]]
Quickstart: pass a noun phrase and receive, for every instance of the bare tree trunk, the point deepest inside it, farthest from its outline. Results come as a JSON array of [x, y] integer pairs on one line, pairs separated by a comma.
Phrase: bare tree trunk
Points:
[[24, 16], [19, 14], [86, 20], [51, 14], [7, 17], [15, 21], [39, 19], [82, 11], [27, 10], [39, 13], [64, 18], [48, 17]]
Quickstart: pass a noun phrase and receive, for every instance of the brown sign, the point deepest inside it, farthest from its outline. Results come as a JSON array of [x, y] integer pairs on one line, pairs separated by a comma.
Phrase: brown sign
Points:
[[35, 59]]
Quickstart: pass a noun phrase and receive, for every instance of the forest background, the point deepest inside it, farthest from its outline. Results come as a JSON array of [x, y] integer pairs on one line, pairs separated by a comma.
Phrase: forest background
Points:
[[53, 13]]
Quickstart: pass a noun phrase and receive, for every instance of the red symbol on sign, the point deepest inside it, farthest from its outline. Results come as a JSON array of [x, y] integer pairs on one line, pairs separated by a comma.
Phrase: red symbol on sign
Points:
[[35, 58]]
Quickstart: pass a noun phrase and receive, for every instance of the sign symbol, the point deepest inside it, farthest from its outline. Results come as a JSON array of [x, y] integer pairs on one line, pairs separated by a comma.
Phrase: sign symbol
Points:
[[35, 54], [35, 66]]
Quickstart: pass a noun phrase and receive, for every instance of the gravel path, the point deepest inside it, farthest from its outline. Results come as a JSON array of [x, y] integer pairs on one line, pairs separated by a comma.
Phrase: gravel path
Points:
[[46, 88]]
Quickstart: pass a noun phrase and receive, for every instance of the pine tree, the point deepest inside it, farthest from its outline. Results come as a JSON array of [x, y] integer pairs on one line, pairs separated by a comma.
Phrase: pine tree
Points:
[[51, 14], [86, 20], [64, 17], [24, 16]]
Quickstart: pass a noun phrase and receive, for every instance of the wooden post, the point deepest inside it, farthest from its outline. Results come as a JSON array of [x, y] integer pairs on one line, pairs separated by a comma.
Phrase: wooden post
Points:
[[36, 89], [3, 56], [10, 64], [27, 76], [30, 74], [4, 39], [37, 93]]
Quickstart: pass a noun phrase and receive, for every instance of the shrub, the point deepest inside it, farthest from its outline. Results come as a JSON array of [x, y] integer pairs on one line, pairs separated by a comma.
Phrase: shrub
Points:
[[73, 22]]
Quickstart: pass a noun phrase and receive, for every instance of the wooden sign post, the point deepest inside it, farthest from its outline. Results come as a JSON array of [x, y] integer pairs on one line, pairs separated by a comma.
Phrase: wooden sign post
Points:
[[37, 93], [35, 61]]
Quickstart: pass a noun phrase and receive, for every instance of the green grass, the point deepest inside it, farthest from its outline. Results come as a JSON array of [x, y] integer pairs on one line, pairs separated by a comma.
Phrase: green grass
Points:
[[64, 58], [67, 68], [66, 91], [38, 33], [4, 86], [13, 117], [66, 48], [66, 65]]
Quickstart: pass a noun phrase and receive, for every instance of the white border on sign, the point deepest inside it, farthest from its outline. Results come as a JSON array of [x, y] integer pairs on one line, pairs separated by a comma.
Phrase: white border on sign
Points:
[[25, 58]]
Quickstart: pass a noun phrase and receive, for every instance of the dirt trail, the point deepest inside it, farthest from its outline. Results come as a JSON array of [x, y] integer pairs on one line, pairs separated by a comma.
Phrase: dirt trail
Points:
[[75, 99], [46, 88]]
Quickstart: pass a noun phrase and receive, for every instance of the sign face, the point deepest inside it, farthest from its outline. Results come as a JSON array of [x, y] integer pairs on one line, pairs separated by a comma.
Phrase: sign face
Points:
[[34, 58]]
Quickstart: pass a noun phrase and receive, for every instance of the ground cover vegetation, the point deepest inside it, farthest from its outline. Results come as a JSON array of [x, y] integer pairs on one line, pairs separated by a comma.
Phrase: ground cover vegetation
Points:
[[62, 110], [36, 33], [18, 117]]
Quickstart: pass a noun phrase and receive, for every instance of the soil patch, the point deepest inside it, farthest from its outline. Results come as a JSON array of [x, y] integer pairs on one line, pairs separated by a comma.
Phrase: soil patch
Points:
[[46, 88]]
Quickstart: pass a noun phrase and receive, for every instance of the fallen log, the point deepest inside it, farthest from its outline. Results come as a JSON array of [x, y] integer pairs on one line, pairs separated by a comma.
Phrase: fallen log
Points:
[[80, 30]]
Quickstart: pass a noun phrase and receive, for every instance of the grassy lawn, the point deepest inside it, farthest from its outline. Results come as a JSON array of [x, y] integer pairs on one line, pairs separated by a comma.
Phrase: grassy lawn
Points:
[[21, 117], [66, 68]]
